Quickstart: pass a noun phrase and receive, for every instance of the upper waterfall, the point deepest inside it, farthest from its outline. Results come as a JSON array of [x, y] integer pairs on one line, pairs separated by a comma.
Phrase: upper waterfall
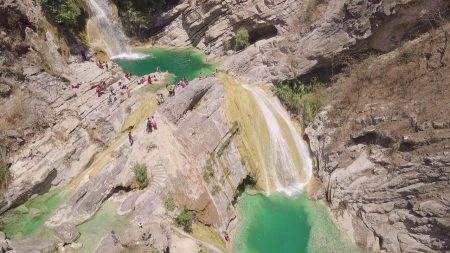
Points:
[[287, 162], [106, 29]]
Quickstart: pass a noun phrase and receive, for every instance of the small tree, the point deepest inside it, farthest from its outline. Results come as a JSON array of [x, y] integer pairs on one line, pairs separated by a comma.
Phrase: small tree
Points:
[[140, 174], [185, 219], [242, 39], [65, 12]]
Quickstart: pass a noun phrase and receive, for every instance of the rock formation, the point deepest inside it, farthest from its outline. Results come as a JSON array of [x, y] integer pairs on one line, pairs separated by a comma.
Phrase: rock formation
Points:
[[290, 38], [384, 164]]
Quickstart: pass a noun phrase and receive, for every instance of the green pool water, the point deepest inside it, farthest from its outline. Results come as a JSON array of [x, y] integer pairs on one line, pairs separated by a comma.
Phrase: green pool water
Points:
[[278, 223], [93, 230], [29, 218], [181, 63]]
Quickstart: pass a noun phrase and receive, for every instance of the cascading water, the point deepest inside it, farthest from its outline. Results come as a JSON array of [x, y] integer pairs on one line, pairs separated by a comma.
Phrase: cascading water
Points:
[[277, 222], [287, 151], [105, 30]]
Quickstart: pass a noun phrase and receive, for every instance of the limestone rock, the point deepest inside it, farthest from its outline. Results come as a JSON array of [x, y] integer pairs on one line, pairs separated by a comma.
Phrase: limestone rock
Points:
[[67, 233], [284, 43], [34, 246], [184, 100], [4, 246], [89, 197]]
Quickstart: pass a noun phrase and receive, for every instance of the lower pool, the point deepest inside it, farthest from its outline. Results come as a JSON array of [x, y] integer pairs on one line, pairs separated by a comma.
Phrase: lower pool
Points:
[[29, 218], [278, 223], [181, 62]]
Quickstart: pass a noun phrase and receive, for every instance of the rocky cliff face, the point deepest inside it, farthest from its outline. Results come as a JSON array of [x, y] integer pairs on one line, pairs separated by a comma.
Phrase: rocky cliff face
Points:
[[25, 52], [382, 149], [383, 160], [290, 38], [86, 152]]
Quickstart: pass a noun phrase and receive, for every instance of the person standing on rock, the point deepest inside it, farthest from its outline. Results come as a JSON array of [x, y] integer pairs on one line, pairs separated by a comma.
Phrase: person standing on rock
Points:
[[153, 123], [98, 90], [111, 89], [130, 138], [149, 126]]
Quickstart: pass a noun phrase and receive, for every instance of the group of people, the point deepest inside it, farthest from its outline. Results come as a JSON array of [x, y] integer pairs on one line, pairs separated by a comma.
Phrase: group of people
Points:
[[171, 88], [102, 64], [102, 87], [151, 124], [150, 79]]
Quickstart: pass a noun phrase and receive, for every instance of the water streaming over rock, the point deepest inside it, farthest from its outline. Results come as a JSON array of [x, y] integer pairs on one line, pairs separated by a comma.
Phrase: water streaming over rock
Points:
[[288, 161], [106, 30]]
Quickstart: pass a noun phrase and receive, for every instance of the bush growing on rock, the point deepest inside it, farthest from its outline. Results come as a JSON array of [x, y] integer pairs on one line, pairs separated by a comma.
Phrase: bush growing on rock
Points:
[[185, 219], [65, 12], [140, 174], [137, 15], [301, 98], [242, 39]]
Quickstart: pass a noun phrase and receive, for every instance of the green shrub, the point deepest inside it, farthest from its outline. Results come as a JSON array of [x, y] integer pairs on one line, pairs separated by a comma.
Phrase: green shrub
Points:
[[137, 15], [185, 219], [65, 12], [5, 176], [140, 174], [170, 203], [242, 39], [301, 98]]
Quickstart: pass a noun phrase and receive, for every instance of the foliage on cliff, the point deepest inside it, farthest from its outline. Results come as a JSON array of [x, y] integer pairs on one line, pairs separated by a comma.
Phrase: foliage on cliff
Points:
[[69, 13], [185, 219], [298, 97], [140, 174], [242, 39], [137, 15]]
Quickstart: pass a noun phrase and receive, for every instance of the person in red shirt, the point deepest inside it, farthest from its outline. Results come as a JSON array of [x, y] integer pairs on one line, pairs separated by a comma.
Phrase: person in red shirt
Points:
[[98, 90], [149, 79]]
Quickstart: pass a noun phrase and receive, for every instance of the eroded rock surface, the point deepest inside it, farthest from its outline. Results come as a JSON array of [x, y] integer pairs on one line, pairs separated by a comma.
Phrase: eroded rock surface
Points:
[[290, 38], [384, 165]]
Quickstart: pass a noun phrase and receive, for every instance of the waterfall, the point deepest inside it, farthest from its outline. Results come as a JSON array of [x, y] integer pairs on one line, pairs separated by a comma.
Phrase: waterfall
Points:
[[288, 162], [105, 30]]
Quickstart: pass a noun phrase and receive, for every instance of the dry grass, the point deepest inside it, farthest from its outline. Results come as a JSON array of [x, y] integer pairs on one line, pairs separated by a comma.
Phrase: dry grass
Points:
[[14, 112], [311, 11], [412, 80]]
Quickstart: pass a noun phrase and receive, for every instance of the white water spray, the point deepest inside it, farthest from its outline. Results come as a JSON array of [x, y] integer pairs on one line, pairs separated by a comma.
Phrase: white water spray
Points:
[[109, 31], [281, 167]]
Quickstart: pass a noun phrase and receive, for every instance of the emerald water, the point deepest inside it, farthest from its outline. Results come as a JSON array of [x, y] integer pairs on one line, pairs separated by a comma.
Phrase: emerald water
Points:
[[278, 223], [29, 218], [101, 224], [181, 63]]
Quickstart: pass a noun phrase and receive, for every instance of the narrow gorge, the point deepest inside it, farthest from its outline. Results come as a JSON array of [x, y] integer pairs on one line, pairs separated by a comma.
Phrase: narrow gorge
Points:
[[251, 126]]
